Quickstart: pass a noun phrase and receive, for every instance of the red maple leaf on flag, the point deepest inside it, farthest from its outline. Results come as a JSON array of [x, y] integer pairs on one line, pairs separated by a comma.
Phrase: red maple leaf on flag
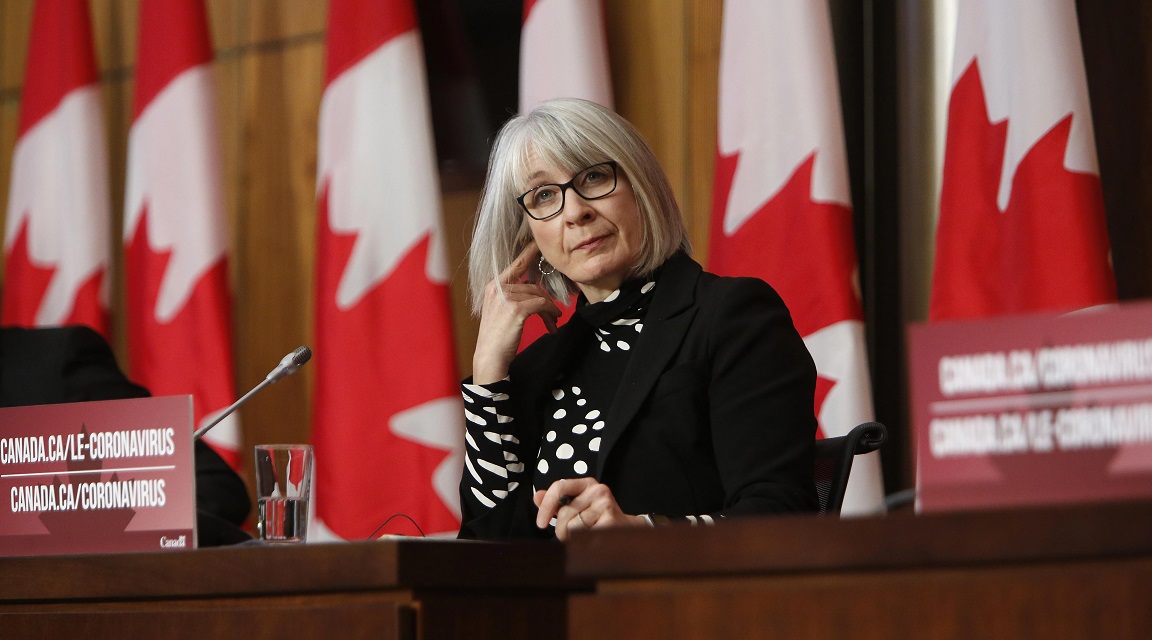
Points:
[[811, 278], [86, 307], [162, 362], [808, 277], [1047, 251], [383, 356], [20, 306]]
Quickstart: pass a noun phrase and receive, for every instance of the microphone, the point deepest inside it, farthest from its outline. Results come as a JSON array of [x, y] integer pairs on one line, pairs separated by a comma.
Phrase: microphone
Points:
[[288, 365]]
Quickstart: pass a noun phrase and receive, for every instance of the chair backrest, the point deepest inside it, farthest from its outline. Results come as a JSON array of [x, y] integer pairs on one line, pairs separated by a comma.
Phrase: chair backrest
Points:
[[834, 462]]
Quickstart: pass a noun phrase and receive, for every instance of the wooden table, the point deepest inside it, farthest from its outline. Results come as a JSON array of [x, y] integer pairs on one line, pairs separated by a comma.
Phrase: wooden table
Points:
[[1063, 572], [390, 589]]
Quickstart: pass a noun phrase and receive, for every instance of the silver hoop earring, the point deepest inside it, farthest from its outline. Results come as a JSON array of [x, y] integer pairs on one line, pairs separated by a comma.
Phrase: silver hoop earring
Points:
[[540, 265]]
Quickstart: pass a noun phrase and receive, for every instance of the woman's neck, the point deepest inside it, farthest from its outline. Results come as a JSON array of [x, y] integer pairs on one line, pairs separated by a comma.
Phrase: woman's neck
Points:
[[597, 292]]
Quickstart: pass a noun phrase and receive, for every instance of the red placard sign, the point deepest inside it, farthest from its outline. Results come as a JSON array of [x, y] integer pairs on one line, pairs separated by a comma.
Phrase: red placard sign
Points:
[[97, 477], [1033, 409]]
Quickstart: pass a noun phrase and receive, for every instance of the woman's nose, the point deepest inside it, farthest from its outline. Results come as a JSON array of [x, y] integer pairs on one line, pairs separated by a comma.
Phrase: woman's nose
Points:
[[576, 208]]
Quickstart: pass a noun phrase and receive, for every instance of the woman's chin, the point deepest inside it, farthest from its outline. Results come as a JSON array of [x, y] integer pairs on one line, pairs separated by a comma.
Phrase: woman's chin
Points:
[[599, 269]]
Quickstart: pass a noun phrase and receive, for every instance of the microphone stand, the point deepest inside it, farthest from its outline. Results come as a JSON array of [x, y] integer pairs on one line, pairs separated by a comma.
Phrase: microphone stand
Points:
[[288, 365], [227, 412]]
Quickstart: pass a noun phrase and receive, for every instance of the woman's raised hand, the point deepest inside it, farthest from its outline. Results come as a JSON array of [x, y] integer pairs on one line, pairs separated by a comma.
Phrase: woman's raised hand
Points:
[[508, 301]]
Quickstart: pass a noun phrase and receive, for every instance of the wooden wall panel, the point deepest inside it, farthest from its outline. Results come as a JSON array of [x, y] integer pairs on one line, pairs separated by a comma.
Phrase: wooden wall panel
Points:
[[9, 124], [225, 21], [15, 24], [279, 106], [114, 33], [703, 49], [116, 91], [459, 208], [665, 58], [114, 29], [646, 47], [227, 73], [272, 22]]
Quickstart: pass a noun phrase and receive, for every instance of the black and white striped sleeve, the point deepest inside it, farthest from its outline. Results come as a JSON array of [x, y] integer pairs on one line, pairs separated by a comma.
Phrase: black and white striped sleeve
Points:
[[493, 465]]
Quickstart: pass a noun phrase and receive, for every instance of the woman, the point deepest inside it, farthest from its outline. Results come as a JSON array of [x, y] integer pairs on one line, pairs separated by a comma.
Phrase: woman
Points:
[[670, 394]]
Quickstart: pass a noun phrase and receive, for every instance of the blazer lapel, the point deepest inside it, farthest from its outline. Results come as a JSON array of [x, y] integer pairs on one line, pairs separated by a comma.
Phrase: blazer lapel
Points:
[[666, 324]]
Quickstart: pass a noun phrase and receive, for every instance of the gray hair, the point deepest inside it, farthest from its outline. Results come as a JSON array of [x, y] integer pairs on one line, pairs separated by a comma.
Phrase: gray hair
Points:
[[570, 134]]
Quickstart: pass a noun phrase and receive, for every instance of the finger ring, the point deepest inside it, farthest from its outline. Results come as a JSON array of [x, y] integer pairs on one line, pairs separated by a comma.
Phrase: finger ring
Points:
[[580, 517]]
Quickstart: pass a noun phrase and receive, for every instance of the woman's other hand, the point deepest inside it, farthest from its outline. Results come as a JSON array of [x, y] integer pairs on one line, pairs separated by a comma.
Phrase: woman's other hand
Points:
[[580, 503], [503, 315]]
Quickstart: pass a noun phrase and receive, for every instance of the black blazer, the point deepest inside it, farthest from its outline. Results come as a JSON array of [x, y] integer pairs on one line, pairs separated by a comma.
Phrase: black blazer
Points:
[[52, 365], [714, 414]]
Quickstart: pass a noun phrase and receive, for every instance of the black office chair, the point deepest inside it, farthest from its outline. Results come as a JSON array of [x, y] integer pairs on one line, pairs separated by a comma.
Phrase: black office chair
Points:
[[834, 462]]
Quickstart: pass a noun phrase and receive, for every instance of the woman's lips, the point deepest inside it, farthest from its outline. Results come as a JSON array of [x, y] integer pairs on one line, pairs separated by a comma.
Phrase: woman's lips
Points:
[[590, 243]]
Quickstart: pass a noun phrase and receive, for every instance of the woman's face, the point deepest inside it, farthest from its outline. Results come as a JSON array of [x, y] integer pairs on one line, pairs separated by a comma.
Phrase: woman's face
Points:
[[593, 242]]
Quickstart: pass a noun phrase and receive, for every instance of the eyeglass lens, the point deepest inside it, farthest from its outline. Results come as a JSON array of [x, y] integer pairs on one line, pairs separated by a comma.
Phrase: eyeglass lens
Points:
[[594, 182]]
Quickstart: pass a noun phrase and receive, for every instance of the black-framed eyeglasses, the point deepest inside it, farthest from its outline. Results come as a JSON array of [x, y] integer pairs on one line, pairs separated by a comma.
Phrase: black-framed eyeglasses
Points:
[[547, 200]]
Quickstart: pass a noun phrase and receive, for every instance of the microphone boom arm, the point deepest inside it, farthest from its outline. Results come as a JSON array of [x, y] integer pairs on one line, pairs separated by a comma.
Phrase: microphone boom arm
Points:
[[288, 365], [227, 412]]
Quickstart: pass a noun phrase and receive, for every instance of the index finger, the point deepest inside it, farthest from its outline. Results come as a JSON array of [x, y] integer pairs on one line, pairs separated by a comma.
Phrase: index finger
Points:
[[515, 271]]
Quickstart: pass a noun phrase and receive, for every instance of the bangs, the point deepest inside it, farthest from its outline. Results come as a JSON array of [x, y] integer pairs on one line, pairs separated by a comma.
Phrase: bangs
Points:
[[539, 140]]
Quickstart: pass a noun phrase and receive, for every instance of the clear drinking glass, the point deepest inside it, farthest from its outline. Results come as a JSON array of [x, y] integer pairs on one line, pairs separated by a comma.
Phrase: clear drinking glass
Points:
[[283, 479]]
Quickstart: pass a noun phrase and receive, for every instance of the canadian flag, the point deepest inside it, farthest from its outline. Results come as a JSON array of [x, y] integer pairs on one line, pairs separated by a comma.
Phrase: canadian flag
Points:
[[388, 424], [781, 204], [1022, 223], [563, 54], [57, 243], [176, 243]]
